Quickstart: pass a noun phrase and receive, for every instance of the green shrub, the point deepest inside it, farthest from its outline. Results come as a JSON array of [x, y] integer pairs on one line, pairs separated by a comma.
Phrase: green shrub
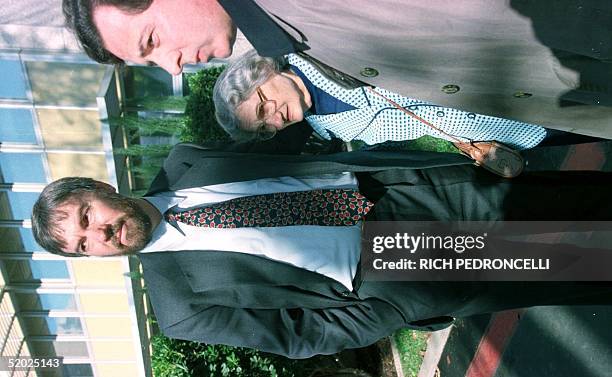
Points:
[[201, 125], [424, 143], [157, 103], [135, 126], [179, 358], [411, 346], [154, 150], [196, 125]]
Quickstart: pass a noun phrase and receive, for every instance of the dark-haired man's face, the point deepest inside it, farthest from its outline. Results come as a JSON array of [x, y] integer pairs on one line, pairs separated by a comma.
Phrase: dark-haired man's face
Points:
[[170, 33], [104, 224]]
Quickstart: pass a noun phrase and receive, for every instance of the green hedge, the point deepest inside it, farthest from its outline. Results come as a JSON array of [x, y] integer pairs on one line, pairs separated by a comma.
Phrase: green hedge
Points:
[[201, 125], [196, 125], [179, 358]]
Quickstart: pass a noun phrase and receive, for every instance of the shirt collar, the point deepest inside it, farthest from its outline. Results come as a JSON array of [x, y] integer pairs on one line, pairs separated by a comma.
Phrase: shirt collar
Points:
[[163, 204]]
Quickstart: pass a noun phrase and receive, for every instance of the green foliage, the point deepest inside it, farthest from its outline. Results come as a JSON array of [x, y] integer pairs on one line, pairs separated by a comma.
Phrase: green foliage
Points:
[[196, 125], [134, 275], [141, 82], [432, 144], [424, 143], [168, 360], [167, 103], [201, 125], [151, 126], [153, 150], [411, 346], [179, 358]]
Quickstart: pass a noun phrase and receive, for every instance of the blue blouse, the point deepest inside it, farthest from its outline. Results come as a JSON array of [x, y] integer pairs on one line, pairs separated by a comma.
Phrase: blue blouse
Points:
[[322, 102]]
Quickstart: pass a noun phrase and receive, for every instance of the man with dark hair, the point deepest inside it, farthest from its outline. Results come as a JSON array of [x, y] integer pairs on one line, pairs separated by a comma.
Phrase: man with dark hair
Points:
[[540, 62], [238, 249], [78, 15], [167, 33], [62, 199]]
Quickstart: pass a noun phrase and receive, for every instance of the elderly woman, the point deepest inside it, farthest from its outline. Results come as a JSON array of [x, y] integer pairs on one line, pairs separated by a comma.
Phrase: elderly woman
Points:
[[257, 96]]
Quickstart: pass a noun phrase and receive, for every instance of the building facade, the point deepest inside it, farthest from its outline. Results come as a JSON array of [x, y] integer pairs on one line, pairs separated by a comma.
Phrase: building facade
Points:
[[54, 105]]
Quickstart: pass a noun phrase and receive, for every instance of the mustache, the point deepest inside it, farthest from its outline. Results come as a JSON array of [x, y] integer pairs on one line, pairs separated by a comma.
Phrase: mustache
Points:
[[139, 232], [112, 231]]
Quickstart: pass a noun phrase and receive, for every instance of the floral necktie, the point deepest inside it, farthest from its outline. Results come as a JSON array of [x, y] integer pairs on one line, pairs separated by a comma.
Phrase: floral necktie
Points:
[[329, 207]]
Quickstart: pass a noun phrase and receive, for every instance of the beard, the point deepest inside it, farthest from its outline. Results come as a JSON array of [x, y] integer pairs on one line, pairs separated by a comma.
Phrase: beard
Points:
[[139, 230]]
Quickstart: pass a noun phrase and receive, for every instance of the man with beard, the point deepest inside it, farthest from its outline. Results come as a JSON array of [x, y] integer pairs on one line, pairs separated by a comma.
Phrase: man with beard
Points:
[[540, 62], [295, 288], [84, 216]]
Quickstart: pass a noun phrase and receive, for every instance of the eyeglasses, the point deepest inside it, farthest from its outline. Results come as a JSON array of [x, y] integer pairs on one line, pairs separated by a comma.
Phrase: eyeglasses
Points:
[[264, 109]]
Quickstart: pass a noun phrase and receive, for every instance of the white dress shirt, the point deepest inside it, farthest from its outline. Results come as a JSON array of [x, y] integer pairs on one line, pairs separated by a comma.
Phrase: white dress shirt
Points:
[[332, 251]]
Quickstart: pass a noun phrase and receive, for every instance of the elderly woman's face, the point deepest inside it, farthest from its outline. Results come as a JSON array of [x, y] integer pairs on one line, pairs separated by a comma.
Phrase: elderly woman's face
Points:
[[276, 104]]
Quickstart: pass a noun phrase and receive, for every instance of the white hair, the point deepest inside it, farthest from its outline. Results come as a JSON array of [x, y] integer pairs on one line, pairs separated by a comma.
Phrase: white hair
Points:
[[237, 83]]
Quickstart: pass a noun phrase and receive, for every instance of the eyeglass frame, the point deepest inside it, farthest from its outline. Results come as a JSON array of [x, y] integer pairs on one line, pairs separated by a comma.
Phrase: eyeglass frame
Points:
[[262, 132]]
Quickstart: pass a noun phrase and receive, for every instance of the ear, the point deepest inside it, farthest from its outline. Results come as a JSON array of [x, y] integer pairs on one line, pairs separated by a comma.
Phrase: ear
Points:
[[103, 186]]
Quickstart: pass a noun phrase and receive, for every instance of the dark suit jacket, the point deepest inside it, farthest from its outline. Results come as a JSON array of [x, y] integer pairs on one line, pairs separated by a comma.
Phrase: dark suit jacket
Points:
[[243, 300]]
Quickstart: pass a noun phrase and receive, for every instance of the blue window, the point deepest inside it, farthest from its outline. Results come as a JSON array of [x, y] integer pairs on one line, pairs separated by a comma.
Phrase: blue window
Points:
[[45, 301], [21, 204], [64, 325], [57, 301], [13, 81], [22, 167], [38, 325], [25, 271], [47, 269], [27, 238], [17, 126]]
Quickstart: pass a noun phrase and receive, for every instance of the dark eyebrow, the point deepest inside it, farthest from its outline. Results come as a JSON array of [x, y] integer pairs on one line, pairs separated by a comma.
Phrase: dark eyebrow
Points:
[[143, 42], [82, 208], [142, 49]]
